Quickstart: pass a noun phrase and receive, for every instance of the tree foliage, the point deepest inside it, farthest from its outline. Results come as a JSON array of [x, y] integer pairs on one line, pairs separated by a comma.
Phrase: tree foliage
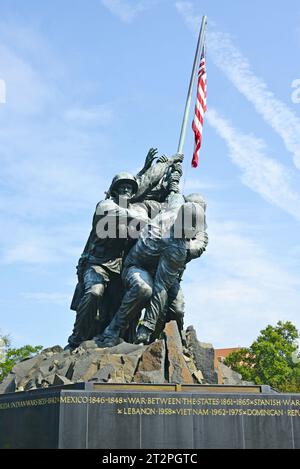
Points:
[[272, 358], [10, 356]]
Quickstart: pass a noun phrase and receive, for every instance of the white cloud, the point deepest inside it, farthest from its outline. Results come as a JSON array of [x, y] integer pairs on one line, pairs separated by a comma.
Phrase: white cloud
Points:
[[262, 174], [23, 38], [52, 162], [127, 10], [237, 288], [48, 171], [26, 92], [50, 155], [186, 9], [23, 243], [2, 91], [55, 298], [196, 185], [98, 115], [237, 69], [30, 252]]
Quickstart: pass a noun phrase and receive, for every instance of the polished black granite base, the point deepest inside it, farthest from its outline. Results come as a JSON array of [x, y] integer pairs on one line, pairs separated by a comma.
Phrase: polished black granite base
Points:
[[149, 417]]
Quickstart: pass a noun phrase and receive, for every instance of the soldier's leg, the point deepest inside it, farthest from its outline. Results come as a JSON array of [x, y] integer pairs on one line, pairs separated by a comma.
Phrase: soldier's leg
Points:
[[146, 330], [175, 310], [138, 290], [161, 286], [89, 307], [155, 314]]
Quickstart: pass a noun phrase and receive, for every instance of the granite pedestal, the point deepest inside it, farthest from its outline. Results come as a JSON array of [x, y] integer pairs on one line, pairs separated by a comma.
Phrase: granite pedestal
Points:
[[165, 417]]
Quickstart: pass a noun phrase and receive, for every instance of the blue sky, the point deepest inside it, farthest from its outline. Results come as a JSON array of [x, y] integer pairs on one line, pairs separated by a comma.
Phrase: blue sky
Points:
[[90, 87]]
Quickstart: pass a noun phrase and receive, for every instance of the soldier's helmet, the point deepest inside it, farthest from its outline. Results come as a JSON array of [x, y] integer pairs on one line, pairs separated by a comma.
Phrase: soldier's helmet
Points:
[[122, 178], [190, 220], [197, 199]]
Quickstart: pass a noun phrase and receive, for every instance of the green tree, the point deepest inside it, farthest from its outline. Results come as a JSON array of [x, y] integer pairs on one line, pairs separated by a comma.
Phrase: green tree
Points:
[[272, 359], [10, 356]]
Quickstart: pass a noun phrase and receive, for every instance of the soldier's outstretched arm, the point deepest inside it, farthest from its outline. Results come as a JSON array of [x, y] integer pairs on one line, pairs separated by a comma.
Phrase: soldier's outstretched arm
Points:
[[151, 156], [153, 175]]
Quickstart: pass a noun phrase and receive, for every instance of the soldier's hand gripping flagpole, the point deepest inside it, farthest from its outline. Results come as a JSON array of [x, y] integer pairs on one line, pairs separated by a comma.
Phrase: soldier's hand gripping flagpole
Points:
[[199, 50]]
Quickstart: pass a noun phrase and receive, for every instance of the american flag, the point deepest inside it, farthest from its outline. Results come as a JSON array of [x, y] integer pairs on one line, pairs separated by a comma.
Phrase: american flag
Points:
[[200, 109]]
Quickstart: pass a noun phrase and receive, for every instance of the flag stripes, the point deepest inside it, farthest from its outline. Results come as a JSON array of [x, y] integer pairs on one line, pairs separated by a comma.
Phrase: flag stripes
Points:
[[200, 109]]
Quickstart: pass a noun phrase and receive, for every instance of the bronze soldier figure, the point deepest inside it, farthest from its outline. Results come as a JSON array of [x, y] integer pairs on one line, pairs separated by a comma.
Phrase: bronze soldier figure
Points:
[[195, 247], [152, 267], [101, 260]]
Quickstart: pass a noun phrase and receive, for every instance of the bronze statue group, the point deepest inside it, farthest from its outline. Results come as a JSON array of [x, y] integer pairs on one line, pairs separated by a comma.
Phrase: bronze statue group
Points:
[[143, 235]]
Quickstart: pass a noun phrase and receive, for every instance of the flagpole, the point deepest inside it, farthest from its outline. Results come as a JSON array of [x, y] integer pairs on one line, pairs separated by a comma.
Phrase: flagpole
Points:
[[199, 49]]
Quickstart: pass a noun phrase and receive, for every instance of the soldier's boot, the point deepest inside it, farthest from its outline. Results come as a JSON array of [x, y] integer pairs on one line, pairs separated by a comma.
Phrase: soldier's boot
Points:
[[73, 342], [111, 334], [143, 335], [70, 347]]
